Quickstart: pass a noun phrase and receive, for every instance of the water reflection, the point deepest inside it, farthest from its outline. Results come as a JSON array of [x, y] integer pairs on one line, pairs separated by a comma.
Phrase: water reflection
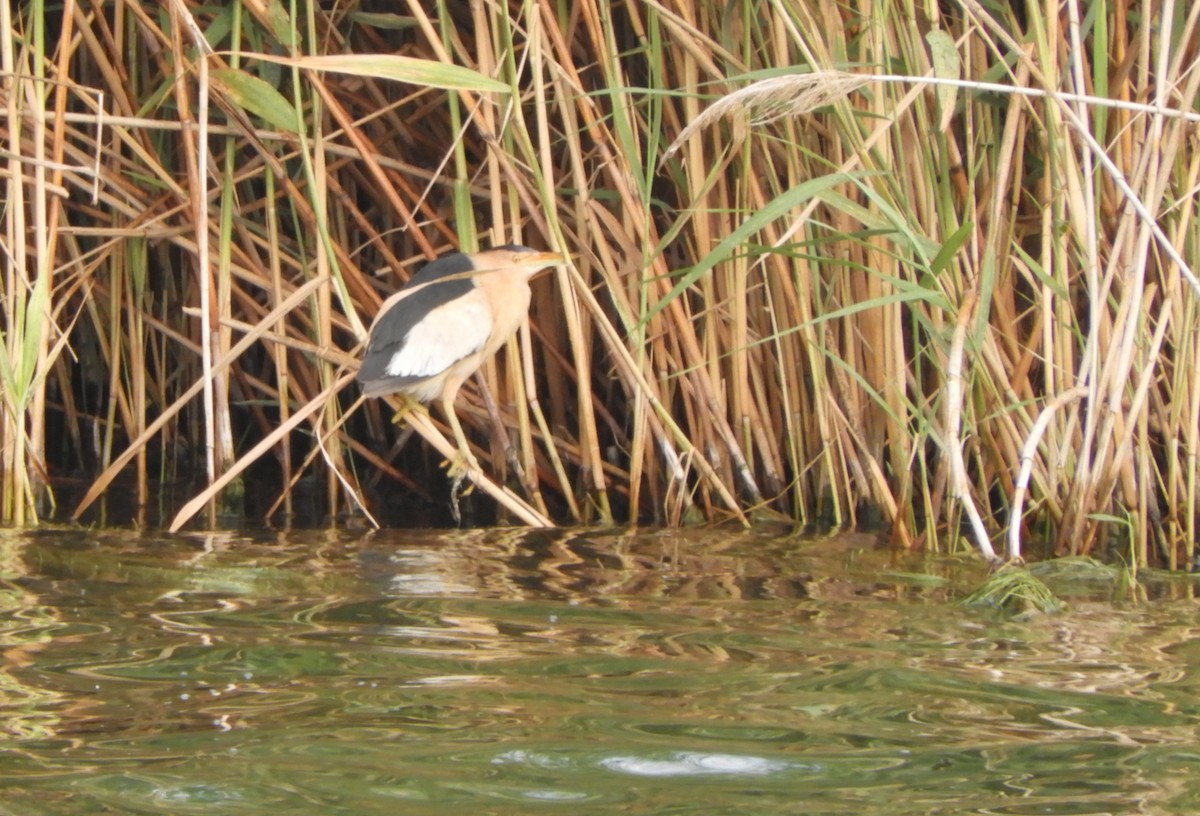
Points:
[[692, 763], [508, 671]]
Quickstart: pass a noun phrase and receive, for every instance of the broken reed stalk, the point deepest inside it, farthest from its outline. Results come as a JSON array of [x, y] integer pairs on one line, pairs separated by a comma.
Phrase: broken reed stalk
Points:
[[763, 301]]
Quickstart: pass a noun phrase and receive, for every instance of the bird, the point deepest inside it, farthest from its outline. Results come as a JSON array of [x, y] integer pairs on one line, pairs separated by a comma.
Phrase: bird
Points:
[[438, 329]]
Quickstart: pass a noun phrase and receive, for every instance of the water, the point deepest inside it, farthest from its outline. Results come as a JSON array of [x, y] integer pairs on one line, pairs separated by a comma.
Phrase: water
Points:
[[511, 672]]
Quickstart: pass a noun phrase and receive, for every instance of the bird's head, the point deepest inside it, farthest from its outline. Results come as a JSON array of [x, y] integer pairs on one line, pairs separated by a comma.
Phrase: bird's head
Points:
[[522, 260]]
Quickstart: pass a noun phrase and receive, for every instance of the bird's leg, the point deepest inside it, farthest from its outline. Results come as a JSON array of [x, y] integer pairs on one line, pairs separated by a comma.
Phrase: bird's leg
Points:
[[463, 461]]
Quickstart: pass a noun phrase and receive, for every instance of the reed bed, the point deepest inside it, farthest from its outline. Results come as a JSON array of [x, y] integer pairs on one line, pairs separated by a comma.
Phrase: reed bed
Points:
[[810, 283]]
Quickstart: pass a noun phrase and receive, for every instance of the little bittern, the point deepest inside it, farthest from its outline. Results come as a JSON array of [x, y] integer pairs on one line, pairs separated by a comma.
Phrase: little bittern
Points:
[[442, 325]]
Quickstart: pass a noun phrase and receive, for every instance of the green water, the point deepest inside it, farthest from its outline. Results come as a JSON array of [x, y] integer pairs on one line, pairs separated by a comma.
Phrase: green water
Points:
[[526, 673]]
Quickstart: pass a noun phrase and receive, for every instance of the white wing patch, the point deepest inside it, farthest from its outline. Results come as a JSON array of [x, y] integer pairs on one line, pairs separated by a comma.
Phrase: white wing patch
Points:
[[443, 337]]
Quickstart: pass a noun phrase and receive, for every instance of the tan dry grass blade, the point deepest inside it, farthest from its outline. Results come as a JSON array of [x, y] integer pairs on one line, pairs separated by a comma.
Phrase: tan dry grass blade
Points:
[[395, 67]]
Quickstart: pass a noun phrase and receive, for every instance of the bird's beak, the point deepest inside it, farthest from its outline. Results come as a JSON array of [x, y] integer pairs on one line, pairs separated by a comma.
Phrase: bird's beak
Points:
[[542, 261]]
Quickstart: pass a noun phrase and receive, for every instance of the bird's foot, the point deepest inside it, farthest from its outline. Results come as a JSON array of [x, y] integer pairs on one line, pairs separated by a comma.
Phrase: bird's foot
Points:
[[458, 468], [409, 406], [459, 465]]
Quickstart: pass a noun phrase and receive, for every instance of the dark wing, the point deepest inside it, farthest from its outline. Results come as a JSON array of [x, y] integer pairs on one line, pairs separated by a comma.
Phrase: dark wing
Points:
[[429, 325]]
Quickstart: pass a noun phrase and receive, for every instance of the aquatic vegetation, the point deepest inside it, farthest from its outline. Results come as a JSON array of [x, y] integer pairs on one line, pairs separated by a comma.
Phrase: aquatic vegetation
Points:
[[831, 266]]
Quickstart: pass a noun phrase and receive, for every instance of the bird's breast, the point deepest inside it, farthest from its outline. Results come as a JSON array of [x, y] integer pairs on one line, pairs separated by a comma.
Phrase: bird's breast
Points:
[[508, 300]]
